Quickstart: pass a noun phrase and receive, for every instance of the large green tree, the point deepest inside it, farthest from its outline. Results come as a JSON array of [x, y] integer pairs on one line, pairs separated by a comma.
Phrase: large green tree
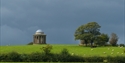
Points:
[[101, 39], [87, 32]]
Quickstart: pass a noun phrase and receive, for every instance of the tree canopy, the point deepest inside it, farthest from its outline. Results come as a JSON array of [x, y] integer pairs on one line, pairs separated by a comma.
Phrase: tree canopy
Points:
[[87, 32], [102, 39], [90, 34]]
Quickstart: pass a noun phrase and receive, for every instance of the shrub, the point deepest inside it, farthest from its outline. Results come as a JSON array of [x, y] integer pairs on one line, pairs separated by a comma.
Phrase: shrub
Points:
[[35, 57], [117, 59], [120, 59], [38, 57], [110, 59], [94, 46], [31, 43], [46, 49], [75, 58], [121, 45], [64, 52], [48, 57], [94, 59], [25, 57], [13, 56], [64, 55], [53, 58], [3, 57]]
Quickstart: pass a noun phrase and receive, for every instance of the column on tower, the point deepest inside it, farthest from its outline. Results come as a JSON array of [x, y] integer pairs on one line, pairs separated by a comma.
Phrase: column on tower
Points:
[[40, 39], [44, 39]]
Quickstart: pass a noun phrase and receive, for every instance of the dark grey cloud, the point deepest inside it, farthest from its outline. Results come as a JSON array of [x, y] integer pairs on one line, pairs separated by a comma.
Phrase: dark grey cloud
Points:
[[58, 18], [12, 35]]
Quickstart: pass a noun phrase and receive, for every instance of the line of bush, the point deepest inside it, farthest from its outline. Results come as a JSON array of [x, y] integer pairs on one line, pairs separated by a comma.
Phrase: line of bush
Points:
[[63, 56]]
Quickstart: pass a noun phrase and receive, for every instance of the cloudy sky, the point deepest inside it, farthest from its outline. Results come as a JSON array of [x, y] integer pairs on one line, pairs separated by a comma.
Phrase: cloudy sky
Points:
[[58, 19]]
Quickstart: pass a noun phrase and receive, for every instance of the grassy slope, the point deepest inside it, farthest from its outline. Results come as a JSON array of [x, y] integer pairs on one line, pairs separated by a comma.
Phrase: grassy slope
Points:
[[78, 50]]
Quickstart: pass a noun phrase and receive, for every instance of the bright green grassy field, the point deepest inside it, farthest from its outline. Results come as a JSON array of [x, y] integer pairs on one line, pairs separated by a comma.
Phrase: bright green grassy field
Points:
[[72, 49]]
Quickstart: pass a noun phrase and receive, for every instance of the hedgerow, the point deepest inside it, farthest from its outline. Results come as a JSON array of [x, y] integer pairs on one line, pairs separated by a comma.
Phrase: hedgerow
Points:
[[61, 57]]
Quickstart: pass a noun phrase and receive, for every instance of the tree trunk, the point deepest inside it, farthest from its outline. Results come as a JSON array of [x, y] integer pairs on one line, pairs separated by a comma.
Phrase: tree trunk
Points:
[[91, 43], [86, 42]]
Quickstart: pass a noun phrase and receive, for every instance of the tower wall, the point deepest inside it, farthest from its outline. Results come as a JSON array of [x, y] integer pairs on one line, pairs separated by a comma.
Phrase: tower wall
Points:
[[39, 39]]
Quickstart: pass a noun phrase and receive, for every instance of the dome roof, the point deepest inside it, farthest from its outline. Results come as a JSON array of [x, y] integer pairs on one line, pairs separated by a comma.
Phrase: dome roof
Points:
[[38, 31]]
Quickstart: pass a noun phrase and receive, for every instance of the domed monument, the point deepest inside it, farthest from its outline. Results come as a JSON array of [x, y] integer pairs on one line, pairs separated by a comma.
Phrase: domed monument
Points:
[[39, 37]]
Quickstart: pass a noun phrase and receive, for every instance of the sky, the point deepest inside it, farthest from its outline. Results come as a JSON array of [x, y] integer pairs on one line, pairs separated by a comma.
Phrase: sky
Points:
[[58, 19]]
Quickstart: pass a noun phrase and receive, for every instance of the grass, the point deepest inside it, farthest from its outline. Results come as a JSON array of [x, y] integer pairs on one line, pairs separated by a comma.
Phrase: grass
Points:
[[73, 49]]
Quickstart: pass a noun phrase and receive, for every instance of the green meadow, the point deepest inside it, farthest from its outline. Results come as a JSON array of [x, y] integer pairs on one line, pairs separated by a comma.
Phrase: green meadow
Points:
[[72, 49]]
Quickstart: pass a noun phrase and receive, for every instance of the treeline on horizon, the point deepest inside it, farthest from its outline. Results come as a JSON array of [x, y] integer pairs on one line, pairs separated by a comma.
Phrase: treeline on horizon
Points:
[[90, 34]]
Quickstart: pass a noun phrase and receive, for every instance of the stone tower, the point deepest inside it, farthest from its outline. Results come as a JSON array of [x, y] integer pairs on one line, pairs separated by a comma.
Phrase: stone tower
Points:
[[39, 37]]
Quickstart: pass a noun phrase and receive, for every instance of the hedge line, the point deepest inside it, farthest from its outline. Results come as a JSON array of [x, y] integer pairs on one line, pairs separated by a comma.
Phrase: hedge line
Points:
[[64, 56]]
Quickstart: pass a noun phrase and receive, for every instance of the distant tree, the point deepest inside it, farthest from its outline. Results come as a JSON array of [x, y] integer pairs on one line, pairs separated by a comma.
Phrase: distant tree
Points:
[[102, 39], [31, 43], [46, 49], [121, 45], [113, 39], [87, 32], [80, 35]]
